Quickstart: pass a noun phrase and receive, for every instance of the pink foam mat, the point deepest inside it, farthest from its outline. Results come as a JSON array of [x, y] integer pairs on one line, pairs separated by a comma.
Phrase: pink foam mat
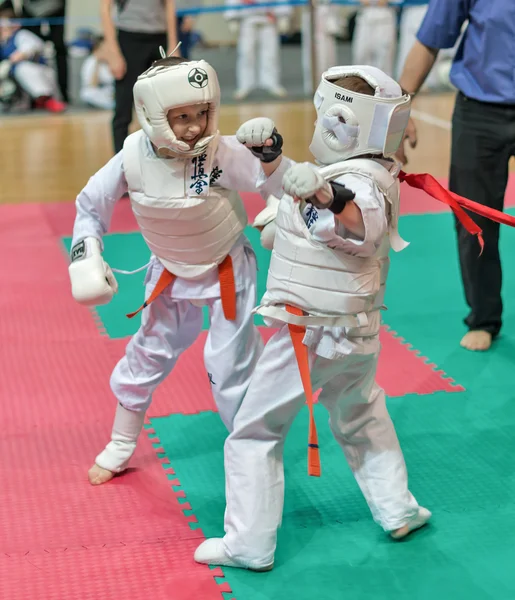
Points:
[[161, 569], [60, 537]]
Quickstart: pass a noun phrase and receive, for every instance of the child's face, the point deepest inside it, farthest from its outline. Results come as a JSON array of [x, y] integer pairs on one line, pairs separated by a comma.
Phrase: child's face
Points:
[[189, 122]]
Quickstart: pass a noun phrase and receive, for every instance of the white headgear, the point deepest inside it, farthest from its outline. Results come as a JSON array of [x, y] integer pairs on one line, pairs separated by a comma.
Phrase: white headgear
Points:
[[351, 124], [162, 88]]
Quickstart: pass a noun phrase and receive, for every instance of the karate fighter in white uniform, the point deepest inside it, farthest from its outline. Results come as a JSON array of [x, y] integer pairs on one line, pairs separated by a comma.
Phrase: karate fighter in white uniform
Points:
[[259, 31], [334, 229], [327, 27], [375, 35], [178, 172]]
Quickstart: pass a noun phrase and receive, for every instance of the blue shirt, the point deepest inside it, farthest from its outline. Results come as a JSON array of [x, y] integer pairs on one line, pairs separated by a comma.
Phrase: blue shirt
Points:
[[484, 65]]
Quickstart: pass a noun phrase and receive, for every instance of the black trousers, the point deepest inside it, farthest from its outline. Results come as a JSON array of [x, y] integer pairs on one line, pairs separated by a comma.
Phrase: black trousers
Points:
[[56, 36], [483, 140], [140, 50]]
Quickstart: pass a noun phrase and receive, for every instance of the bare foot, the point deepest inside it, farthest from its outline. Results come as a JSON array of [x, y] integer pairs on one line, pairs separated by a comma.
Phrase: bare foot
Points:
[[477, 340], [98, 476], [416, 522]]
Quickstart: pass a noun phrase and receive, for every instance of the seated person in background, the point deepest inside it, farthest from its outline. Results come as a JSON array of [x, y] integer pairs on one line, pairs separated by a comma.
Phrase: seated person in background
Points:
[[97, 81], [21, 58]]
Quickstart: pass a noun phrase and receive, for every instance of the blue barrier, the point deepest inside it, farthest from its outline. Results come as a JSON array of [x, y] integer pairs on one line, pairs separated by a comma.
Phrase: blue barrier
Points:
[[198, 10]]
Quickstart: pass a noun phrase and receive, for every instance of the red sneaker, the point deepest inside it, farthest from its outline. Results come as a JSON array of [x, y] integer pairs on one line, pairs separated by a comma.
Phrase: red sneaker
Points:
[[53, 105]]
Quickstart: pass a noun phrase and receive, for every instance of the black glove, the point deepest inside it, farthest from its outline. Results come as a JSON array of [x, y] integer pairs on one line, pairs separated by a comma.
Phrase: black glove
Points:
[[341, 195], [268, 154]]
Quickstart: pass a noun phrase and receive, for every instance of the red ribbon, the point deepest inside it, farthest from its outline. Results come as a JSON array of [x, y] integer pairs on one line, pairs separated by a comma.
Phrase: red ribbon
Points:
[[426, 182]]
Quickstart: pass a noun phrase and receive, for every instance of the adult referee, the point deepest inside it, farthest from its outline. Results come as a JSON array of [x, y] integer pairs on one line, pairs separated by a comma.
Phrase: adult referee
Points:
[[483, 135]]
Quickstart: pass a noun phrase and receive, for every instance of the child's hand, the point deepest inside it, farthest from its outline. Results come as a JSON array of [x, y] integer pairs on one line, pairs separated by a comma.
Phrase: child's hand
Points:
[[117, 64], [304, 182], [261, 138]]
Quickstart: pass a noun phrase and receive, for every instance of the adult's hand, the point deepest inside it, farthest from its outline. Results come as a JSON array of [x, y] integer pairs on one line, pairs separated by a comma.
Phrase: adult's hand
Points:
[[117, 63], [410, 135]]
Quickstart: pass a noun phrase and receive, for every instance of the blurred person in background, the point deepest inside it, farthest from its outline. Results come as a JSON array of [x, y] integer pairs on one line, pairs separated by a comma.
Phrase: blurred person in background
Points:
[[259, 32], [188, 36], [53, 31], [483, 135], [133, 31], [22, 60], [375, 35], [410, 21], [327, 26], [97, 81]]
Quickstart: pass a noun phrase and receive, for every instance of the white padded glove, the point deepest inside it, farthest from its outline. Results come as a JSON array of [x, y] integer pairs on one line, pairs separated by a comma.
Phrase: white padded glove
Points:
[[266, 220], [93, 282], [305, 182], [5, 67], [268, 235], [268, 214], [255, 133]]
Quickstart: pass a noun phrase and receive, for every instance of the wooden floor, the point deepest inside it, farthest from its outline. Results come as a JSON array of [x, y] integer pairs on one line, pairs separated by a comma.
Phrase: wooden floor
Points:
[[49, 158]]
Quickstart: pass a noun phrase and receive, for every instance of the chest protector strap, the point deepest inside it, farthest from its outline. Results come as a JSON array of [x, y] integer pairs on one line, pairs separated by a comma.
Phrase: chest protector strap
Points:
[[297, 333], [227, 289]]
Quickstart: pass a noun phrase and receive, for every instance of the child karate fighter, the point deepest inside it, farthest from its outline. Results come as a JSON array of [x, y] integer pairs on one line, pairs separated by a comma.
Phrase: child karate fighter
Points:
[[325, 288], [178, 172]]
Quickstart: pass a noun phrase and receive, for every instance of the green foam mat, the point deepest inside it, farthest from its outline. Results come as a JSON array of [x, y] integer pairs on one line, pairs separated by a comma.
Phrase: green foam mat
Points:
[[426, 304], [128, 251], [459, 452]]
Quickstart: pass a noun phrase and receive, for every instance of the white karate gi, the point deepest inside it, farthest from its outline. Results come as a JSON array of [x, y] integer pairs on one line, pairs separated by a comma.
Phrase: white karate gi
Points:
[[344, 366], [173, 321], [375, 37], [259, 40], [327, 26], [35, 78], [99, 94]]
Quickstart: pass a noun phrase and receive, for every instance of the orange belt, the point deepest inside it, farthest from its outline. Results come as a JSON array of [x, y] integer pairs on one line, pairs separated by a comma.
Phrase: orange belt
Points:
[[297, 333], [227, 289]]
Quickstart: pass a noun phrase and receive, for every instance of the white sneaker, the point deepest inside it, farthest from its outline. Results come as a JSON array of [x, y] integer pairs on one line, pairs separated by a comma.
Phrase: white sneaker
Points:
[[416, 522], [212, 552]]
